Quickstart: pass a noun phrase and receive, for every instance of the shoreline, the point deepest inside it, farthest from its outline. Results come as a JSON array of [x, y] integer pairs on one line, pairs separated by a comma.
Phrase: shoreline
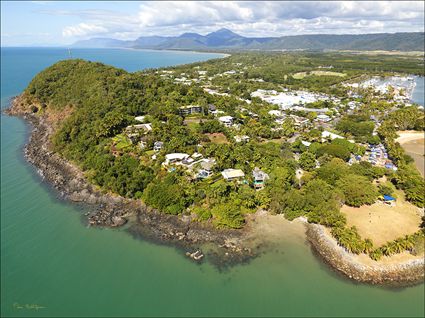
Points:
[[108, 210], [413, 144], [184, 232], [402, 274], [408, 135]]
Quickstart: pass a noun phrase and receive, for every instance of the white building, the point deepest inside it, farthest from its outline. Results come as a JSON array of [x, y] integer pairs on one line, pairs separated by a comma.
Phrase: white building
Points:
[[287, 100], [140, 118], [226, 120], [323, 118], [175, 158], [276, 113], [243, 138], [328, 135], [232, 174]]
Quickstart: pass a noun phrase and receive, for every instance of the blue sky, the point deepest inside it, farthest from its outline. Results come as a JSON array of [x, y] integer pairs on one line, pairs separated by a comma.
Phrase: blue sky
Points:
[[63, 22]]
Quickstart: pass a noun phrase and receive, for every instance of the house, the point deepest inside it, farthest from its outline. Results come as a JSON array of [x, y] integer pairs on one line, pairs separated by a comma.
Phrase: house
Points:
[[276, 113], [175, 158], [140, 118], [133, 128], [197, 155], [306, 143], [190, 109], [232, 174], [142, 144], [323, 118], [134, 131], [187, 161], [260, 178], [157, 146], [328, 135], [243, 138], [212, 109], [226, 120], [203, 174], [299, 121], [206, 166]]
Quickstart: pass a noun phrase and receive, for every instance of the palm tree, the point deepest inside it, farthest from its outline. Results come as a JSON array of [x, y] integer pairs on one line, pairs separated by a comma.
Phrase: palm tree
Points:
[[398, 246], [368, 245], [387, 250], [376, 254], [409, 242]]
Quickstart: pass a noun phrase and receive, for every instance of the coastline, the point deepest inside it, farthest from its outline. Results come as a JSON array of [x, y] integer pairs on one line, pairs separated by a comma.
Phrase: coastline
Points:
[[224, 55], [408, 135], [109, 210], [184, 232], [392, 274], [413, 144]]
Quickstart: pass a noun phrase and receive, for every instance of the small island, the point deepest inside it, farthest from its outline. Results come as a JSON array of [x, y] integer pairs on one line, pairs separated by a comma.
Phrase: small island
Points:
[[196, 154]]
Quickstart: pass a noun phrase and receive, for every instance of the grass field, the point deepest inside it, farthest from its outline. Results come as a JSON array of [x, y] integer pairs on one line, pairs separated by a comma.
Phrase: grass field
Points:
[[383, 223], [218, 138]]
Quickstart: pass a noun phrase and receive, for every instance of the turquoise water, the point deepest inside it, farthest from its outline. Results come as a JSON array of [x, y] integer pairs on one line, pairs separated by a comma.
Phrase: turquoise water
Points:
[[51, 259]]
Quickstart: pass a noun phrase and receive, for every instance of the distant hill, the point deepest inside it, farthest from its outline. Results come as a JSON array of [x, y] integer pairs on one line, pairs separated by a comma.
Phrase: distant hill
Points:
[[228, 40], [102, 43]]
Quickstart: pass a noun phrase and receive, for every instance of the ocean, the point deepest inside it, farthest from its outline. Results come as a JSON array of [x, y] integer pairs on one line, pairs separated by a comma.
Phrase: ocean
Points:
[[50, 259], [418, 95]]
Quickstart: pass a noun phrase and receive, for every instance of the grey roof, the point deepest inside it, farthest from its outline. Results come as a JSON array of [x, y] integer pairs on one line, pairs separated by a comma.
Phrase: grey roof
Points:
[[259, 174]]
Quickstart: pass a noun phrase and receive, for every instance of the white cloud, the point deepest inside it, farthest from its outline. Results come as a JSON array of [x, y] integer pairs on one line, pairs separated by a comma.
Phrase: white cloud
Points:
[[250, 18], [83, 29], [42, 2]]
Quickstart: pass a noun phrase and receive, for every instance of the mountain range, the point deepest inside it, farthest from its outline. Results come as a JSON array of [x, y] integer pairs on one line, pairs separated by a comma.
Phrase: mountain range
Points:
[[225, 39]]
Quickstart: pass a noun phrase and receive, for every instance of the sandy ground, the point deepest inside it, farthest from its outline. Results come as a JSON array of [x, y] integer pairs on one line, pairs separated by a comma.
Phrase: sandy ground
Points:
[[269, 228], [413, 143], [409, 135], [382, 223], [218, 138]]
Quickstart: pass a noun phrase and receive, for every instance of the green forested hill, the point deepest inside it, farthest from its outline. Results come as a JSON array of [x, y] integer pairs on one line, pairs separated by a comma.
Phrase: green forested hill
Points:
[[226, 39], [102, 101]]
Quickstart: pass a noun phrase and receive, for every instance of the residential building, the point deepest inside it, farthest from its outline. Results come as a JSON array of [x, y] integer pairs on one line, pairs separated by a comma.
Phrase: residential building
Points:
[[323, 118], [226, 120], [212, 109], [260, 178], [157, 146], [140, 118], [328, 135], [173, 158], [243, 138], [190, 109], [232, 174]]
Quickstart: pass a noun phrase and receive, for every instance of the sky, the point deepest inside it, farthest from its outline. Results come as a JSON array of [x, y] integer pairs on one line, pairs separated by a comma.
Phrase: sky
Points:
[[43, 23]]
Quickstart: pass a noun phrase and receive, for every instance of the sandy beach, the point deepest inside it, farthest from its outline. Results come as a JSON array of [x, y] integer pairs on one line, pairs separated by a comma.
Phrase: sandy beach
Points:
[[409, 135], [413, 143]]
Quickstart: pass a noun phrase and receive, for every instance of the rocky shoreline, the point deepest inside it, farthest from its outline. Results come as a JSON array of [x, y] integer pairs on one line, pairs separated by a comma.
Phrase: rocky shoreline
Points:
[[395, 275], [221, 247], [108, 210]]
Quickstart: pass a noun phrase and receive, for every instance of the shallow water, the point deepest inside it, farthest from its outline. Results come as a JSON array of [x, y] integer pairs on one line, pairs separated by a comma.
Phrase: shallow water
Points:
[[51, 259]]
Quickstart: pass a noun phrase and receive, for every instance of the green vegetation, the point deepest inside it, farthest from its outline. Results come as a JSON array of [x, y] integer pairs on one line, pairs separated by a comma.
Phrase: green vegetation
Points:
[[101, 102], [357, 126], [357, 190], [412, 243]]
